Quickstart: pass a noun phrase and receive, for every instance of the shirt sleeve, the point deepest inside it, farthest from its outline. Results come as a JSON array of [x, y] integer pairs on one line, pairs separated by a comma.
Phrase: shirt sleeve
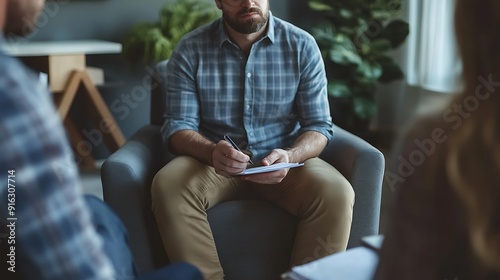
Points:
[[53, 229], [312, 98], [182, 105]]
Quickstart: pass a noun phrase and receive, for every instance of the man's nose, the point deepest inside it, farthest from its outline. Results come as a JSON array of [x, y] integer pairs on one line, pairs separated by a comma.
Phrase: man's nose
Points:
[[247, 3]]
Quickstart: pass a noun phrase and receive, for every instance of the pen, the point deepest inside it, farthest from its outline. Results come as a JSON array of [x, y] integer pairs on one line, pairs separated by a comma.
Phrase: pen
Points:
[[228, 139]]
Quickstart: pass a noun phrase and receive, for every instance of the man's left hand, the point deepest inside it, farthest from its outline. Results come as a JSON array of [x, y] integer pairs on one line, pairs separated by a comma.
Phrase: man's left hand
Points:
[[275, 177]]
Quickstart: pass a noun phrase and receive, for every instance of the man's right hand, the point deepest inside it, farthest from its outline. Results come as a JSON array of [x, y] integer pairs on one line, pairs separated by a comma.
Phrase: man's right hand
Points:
[[228, 161]]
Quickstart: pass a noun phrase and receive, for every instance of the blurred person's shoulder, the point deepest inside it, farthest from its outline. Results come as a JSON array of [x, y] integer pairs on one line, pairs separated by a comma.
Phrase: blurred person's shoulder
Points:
[[419, 150], [13, 73], [18, 82], [432, 126]]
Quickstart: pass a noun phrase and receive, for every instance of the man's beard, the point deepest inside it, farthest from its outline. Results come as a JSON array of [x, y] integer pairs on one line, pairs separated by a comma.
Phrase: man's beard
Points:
[[250, 25]]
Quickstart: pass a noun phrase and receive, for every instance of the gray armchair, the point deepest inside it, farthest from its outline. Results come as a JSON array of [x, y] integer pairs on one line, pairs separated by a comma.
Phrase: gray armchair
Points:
[[253, 238]]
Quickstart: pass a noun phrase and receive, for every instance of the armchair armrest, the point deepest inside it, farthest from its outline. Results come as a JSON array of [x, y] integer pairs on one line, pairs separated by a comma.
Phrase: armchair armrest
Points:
[[139, 159], [126, 178], [363, 165]]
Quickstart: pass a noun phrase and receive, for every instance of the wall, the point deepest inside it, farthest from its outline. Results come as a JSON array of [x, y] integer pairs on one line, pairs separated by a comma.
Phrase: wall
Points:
[[125, 94]]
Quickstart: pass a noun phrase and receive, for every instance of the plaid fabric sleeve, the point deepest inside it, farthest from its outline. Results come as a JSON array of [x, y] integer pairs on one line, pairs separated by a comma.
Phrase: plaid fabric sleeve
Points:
[[312, 97], [53, 230]]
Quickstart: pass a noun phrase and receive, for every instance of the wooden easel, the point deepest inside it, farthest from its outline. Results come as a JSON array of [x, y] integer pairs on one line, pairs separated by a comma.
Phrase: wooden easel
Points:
[[80, 82]]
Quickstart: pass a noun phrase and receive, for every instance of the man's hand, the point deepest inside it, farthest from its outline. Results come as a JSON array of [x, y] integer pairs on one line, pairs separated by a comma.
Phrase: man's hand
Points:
[[275, 177], [228, 161]]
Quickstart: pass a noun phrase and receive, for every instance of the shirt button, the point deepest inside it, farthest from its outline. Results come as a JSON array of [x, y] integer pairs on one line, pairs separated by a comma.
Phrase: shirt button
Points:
[[249, 75], [248, 107]]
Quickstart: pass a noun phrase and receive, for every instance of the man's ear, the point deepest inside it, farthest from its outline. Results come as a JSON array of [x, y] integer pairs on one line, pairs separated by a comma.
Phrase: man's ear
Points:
[[219, 4]]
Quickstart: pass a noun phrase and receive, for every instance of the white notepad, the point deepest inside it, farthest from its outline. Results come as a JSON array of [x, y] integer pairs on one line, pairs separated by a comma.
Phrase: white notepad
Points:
[[269, 168]]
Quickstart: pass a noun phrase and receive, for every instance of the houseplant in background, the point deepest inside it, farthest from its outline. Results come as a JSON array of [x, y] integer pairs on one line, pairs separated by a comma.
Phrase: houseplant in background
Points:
[[355, 38], [148, 42]]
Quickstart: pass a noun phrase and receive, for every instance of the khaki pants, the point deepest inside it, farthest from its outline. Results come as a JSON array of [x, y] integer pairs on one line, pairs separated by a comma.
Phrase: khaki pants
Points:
[[186, 188]]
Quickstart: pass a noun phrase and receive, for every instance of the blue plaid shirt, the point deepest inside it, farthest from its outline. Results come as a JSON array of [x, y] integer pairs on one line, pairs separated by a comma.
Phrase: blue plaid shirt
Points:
[[52, 224], [263, 101]]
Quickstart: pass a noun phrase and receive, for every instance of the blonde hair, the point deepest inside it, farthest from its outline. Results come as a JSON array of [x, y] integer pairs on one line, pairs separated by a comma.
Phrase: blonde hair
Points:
[[473, 153]]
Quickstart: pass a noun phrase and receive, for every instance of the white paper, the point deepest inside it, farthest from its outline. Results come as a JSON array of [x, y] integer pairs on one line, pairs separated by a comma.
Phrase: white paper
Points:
[[269, 168], [356, 263]]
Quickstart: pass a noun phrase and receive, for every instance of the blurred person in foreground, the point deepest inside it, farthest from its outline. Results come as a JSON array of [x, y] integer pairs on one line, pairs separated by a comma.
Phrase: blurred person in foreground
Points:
[[54, 231], [446, 219]]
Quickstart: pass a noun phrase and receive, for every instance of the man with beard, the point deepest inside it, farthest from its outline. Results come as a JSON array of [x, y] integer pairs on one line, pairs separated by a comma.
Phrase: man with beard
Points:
[[262, 81], [54, 231]]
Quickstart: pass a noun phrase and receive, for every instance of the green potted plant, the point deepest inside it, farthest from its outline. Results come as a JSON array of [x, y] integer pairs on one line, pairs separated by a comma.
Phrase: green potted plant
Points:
[[152, 42], [355, 37]]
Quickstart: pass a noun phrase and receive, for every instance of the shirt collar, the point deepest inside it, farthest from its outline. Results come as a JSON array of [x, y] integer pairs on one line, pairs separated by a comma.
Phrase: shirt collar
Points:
[[223, 37]]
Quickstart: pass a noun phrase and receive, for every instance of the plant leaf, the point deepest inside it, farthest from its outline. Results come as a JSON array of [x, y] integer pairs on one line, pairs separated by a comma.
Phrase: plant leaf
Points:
[[396, 32], [318, 6], [382, 15], [370, 70], [343, 55], [379, 46], [364, 108], [390, 70], [346, 14], [338, 89], [324, 34], [148, 42]]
